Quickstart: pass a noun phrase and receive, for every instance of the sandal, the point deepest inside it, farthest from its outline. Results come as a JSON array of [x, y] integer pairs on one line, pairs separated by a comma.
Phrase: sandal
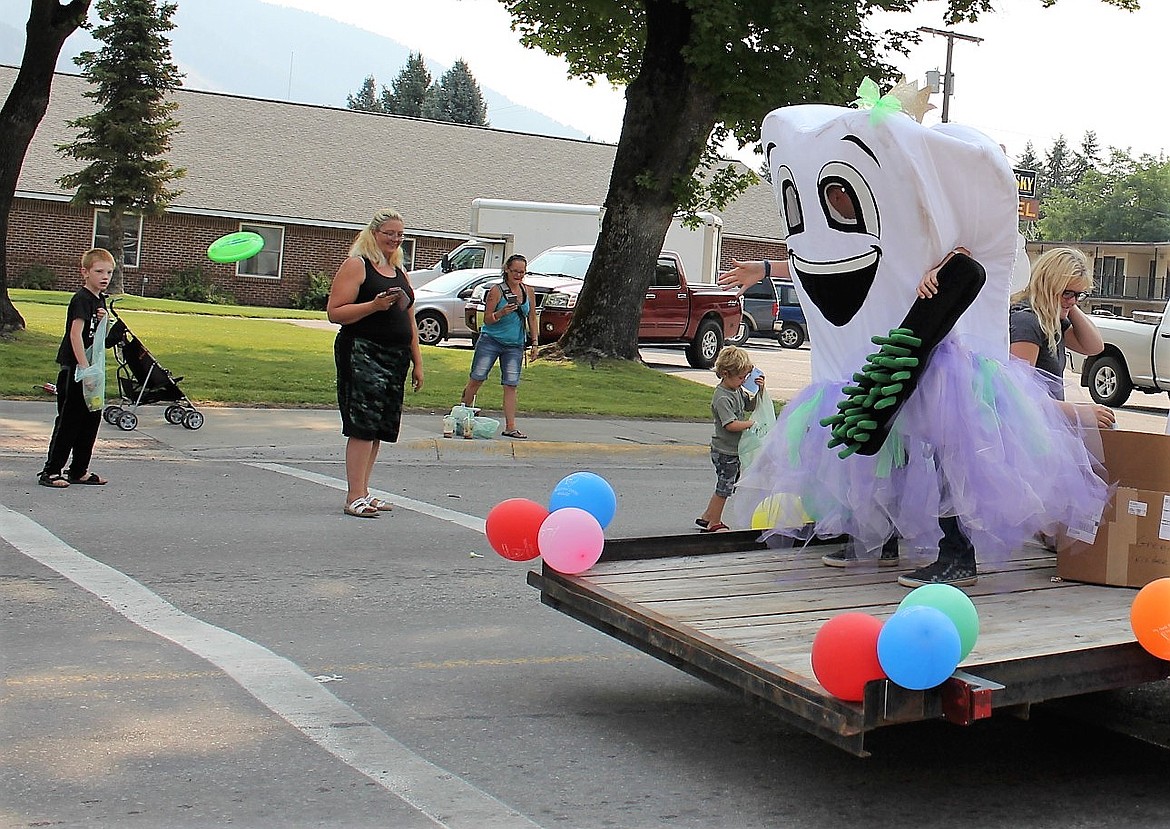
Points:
[[90, 479], [515, 434], [361, 508], [52, 481], [714, 528], [379, 504], [702, 523]]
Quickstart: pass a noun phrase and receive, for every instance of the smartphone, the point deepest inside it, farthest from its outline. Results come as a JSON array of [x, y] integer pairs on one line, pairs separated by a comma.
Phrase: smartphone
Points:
[[749, 382]]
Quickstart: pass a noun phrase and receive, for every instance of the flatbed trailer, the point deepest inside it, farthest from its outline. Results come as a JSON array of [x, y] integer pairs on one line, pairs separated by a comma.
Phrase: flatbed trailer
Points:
[[727, 609]]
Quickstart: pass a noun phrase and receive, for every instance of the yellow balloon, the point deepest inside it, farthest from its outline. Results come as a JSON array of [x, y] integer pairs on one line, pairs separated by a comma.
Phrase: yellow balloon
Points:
[[780, 510]]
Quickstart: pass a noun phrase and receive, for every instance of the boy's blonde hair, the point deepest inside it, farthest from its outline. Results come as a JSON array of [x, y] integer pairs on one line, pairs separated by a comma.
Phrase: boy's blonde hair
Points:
[[93, 255], [732, 362]]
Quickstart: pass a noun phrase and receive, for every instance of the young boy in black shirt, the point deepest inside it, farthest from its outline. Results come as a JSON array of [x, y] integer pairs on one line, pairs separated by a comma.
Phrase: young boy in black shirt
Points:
[[76, 427]]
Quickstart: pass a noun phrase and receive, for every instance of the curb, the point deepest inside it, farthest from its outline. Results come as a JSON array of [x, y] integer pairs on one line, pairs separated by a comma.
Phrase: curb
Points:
[[519, 450]]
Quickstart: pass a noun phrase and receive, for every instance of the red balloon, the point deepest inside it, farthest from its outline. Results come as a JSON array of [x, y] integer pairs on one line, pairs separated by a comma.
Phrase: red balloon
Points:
[[512, 527], [844, 655]]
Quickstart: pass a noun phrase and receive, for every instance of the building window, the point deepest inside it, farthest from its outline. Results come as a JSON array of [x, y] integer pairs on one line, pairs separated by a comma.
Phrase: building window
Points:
[[266, 263], [1111, 276], [131, 234], [408, 255]]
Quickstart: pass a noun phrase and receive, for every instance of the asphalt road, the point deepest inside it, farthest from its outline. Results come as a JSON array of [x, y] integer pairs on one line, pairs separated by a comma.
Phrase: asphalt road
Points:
[[208, 641]]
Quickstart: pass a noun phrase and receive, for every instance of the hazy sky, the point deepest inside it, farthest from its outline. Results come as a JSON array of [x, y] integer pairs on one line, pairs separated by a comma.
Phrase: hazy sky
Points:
[[1080, 65]]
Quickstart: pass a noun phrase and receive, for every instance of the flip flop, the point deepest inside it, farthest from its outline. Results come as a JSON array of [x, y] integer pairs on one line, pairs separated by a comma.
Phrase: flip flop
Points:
[[515, 434], [714, 528], [89, 479], [702, 523], [52, 481]]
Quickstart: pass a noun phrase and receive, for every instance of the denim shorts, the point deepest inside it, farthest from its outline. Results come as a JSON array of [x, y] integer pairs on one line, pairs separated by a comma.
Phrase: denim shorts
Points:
[[726, 472], [487, 351]]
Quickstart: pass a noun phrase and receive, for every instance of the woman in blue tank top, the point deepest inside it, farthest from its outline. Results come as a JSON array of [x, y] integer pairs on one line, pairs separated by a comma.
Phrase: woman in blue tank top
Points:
[[509, 325]]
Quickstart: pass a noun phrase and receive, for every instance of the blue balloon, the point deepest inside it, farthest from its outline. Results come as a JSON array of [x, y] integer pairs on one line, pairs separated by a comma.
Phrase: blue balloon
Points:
[[587, 491], [919, 647]]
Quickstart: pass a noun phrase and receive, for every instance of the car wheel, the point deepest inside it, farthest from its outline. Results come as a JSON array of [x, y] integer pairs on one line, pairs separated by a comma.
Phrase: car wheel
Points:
[[744, 333], [791, 336], [431, 328], [1109, 381], [705, 347]]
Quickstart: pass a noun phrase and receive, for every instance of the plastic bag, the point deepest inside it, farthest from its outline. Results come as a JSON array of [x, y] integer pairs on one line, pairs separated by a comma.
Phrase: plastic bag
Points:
[[481, 427], [751, 440], [93, 379]]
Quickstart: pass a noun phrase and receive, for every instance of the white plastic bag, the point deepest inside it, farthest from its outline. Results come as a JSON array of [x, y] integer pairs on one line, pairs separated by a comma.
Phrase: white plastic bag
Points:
[[751, 440], [93, 379]]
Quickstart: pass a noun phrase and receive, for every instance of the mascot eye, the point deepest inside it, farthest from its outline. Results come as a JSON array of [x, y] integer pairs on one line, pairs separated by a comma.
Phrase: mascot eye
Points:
[[789, 200], [847, 201]]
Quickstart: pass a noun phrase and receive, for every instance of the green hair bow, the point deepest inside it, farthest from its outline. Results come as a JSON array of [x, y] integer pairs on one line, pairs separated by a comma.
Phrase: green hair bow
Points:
[[880, 106]]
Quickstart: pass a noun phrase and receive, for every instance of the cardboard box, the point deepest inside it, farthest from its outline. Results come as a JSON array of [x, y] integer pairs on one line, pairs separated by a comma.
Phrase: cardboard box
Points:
[[1130, 546]]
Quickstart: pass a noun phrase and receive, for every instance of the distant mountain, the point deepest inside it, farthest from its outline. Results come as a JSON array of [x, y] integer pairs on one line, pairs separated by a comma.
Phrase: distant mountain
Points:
[[245, 47]]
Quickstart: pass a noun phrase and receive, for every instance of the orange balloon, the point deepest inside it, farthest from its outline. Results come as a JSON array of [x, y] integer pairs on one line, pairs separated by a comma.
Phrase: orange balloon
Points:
[[1149, 616]]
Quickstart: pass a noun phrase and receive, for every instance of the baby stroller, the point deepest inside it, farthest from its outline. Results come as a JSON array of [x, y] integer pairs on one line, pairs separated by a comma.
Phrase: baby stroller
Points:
[[142, 380]]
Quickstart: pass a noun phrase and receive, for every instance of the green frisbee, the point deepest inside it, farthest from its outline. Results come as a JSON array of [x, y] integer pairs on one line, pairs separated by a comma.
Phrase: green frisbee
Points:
[[235, 247]]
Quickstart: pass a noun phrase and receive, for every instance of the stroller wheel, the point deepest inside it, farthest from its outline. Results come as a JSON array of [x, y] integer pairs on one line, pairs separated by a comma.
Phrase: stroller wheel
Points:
[[174, 415], [127, 421], [192, 420], [111, 413]]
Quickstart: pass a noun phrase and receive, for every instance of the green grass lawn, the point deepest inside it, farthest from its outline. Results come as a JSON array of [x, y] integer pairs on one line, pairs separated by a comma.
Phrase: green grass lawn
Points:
[[240, 356]]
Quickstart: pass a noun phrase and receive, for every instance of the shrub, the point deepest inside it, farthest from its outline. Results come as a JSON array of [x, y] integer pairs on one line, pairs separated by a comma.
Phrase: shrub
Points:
[[316, 294], [194, 284], [36, 277]]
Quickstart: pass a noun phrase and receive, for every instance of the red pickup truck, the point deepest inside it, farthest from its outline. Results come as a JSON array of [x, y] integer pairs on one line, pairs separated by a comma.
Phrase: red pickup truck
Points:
[[701, 317]]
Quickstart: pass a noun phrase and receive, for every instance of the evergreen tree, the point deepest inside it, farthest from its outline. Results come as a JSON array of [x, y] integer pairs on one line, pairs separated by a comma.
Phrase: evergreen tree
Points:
[[1087, 158], [1057, 169], [436, 105], [367, 98], [408, 93], [1028, 160], [463, 101], [130, 77]]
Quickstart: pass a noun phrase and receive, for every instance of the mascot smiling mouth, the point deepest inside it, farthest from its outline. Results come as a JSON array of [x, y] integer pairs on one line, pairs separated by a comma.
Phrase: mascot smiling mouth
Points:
[[838, 289]]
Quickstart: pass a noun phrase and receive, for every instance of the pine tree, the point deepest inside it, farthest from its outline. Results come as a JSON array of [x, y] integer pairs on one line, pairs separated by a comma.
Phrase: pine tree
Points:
[[463, 100], [130, 77], [409, 91], [1087, 158], [1057, 169], [367, 98]]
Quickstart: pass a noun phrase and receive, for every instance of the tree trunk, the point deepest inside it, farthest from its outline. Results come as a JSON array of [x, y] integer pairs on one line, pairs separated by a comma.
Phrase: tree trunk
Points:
[[669, 117], [49, 24], [117, 246]]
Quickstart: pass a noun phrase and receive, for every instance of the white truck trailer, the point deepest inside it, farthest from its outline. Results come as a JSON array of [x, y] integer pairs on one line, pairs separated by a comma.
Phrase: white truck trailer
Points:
[[501, 227]]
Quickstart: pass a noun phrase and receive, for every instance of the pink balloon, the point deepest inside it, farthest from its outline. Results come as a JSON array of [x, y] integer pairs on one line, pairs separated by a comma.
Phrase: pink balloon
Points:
[[570, 540]]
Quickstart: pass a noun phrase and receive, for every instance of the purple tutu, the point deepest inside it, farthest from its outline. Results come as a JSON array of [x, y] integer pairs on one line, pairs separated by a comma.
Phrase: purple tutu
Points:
[[978, 439]]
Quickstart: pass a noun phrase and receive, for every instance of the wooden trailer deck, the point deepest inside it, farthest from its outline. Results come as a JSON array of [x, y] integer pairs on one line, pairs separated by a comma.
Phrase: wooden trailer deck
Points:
[[728, 610]]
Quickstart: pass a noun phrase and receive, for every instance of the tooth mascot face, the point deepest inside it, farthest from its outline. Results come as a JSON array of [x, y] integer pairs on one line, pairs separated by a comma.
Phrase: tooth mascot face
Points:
[[870, 206]]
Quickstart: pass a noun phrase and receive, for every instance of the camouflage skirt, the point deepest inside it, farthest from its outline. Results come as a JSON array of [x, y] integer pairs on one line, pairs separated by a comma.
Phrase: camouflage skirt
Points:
[[371, 381]]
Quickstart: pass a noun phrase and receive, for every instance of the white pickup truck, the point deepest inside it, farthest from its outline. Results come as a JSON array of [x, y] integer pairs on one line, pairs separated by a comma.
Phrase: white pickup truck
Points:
[[1136, 356]]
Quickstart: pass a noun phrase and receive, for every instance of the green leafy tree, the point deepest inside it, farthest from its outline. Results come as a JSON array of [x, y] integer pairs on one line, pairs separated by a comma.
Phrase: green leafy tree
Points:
[[49, 24], [1128, 200], [408, 93], [367, 98], [696, 72], [460, 97], [125, 139]]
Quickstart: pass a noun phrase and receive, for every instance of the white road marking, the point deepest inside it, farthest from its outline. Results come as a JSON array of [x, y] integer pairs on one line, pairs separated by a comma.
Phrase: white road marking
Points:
[[279, 684], [462, 519]]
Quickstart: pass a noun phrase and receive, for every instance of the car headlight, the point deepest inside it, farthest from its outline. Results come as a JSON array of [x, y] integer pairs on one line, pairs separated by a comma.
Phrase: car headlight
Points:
[[559, 300]]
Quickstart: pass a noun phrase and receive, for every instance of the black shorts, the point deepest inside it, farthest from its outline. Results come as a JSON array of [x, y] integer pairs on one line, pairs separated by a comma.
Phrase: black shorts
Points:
[[371, 382]]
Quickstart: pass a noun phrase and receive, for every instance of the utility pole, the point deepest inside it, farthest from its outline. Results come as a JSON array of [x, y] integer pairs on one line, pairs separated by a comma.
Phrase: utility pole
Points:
[[948, 78]]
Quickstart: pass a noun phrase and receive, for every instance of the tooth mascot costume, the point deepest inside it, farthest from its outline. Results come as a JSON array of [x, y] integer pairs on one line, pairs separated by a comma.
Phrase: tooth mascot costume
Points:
[[915, 410]]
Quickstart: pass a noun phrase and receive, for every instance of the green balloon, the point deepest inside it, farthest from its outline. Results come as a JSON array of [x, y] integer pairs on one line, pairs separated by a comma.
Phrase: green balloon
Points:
[[957, 606]]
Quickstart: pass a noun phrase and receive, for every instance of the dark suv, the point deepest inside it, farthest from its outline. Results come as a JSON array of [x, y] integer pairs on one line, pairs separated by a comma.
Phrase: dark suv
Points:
[[761, 309], [791, 329]]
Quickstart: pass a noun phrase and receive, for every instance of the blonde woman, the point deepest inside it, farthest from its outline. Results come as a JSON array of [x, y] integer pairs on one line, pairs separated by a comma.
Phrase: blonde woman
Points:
[[378, 341], [1045, 320]]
